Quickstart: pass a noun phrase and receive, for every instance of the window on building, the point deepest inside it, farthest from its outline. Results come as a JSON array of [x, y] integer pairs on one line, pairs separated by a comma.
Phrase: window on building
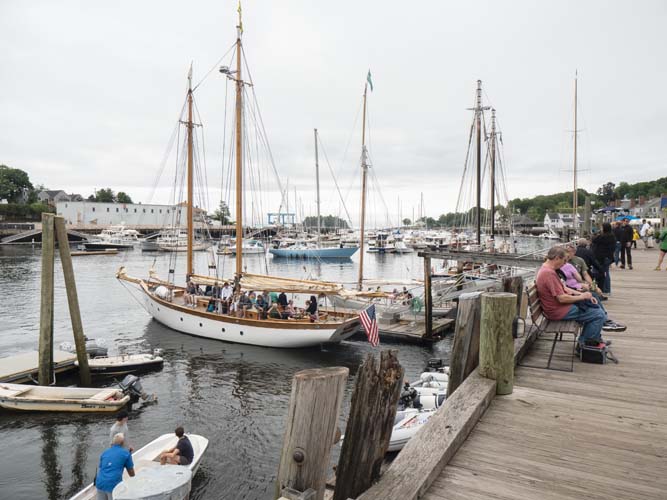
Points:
[[152, 211], [135, 210], [107, 209], [65, 205], [93, 209], [160, 210], [116, 209], [144, 210], [126, 210], [167, 210]]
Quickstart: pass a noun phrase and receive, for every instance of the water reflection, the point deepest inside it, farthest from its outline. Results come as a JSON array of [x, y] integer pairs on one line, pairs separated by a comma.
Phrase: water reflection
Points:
[[50, 464]]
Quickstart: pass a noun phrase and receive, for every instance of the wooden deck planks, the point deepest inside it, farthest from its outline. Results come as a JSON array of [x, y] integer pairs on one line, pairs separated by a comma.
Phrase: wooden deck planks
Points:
[[18, 368], [597, 433]]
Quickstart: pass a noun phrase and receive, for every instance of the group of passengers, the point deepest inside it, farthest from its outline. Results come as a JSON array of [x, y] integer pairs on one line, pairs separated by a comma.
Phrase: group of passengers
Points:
[[225, 300]]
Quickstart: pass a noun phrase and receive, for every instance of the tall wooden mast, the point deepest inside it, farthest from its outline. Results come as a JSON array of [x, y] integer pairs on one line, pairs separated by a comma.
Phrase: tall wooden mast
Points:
[[575, 198], [190, 221], [493, 173], [239, 152], [478, 124], [317, 181], [364, 172]]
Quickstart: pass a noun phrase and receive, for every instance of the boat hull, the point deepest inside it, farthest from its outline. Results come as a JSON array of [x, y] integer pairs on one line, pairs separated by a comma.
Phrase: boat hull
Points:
[[279, 333], [60, 399], [99, 245], [120, 365], [314, 253]]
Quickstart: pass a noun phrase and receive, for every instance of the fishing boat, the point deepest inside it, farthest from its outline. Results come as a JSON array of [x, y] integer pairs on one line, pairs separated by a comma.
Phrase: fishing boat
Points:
[[124, 363], [169, 303], [177, 241], [406, 424], [71, 399], [250, 247], [148, 457]]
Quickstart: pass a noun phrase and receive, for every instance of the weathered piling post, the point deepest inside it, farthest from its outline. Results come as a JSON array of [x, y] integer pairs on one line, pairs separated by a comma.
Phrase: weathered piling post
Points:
[[428, 299], [514, 284], [369, 425], [496, 346], [72, 300], [46, 305], [465, 350], [310, 432]]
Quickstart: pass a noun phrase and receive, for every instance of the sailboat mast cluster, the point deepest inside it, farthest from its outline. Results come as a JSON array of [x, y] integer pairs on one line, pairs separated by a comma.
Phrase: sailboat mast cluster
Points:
[[364, 176], [239, 152]]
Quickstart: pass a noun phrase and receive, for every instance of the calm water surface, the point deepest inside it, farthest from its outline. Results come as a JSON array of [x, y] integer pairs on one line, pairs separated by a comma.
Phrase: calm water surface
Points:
[[237, 396]]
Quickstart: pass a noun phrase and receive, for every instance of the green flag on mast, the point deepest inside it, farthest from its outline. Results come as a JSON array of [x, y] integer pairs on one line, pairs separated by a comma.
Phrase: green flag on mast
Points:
[[368, 79]]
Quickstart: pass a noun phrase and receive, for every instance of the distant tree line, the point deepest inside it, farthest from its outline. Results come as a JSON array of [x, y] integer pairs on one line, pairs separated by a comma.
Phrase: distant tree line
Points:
[[326, 222], [21, 196], [106, 195]]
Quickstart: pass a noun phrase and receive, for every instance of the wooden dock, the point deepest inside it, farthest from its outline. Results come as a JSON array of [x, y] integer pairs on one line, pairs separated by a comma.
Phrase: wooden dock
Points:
[[22, 368], [597, 433], [414, 331]]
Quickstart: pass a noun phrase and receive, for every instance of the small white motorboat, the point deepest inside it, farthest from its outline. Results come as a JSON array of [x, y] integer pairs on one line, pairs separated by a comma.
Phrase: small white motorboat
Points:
[[406, 424], [124, 363], [73, 399], [147, 458]]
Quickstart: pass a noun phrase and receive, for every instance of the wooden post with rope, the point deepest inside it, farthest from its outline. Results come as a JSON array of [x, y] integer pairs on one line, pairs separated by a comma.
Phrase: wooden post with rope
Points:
[[369, 426], [72, 301], [465, 350], [428, 299], [45, 373]]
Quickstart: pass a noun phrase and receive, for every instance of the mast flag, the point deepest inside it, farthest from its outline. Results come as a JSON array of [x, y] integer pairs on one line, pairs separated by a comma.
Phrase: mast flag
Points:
[[240, 21], [368, 79]]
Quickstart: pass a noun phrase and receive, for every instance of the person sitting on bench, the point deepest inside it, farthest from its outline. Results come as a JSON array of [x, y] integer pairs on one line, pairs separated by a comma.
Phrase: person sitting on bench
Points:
[[559, 304]]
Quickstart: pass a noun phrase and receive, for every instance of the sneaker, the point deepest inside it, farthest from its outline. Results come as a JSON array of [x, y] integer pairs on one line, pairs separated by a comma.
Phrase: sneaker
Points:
[[657, 268], [622, 266], [614, 327], [630, 267]]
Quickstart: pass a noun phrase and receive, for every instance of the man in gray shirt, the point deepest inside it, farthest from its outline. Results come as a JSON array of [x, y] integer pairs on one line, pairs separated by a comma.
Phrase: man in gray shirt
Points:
[[120, 426]]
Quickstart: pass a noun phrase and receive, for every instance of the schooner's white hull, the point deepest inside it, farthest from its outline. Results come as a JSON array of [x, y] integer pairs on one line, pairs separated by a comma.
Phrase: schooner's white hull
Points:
[[279, 333]]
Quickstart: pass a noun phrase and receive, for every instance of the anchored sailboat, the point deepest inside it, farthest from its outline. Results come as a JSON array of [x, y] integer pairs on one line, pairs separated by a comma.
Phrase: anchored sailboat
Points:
[[179, 308]]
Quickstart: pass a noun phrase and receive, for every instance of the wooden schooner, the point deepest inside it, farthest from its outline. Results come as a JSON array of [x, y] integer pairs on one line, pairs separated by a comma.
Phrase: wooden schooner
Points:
[[167, 302]]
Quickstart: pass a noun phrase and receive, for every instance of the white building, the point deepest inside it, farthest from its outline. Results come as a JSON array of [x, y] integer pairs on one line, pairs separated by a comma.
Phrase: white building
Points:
[[130, 214]]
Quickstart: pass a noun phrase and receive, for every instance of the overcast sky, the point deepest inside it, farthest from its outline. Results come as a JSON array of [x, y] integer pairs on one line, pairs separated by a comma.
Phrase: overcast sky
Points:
[[90, 91]]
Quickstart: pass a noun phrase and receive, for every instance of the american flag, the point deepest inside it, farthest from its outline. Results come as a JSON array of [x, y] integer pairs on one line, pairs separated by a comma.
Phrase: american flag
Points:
[[370, 324]]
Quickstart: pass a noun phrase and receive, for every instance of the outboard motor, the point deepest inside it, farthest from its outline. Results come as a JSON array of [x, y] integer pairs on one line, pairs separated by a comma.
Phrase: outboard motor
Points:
[[131, 385], [434, 365], [409, 397]]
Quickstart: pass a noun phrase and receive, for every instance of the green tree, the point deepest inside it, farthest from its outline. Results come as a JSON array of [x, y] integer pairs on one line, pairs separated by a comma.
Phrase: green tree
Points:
[[105, 195], [14, 183], [123, 197], [326, 222], [607, 193], [407, 222], [222, 214]]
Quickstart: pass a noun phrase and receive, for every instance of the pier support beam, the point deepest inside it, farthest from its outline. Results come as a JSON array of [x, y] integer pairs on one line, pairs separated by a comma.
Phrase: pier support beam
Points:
[[72, 301], [465, 349], [369, 425], [45, 373], [428, 299], [310, 432], [496, 346]]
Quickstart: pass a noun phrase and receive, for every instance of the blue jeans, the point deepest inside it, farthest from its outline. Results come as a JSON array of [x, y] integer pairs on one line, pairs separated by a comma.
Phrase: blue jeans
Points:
[[603, 277], [592, 319], [617, 253]]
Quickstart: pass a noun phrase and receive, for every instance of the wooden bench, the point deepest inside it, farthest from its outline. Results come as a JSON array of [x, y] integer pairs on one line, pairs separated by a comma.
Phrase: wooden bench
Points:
[[545, 326]]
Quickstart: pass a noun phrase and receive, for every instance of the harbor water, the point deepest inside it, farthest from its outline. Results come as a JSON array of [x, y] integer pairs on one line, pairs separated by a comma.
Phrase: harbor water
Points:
[[237, 396]]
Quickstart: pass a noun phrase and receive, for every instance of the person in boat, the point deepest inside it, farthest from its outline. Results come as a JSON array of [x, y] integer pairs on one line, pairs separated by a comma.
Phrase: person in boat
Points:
[[182, 453], [274, 312], [210, 307], [261, 306], [110, 469], [311, 308], [290, 310], [120, 427], [226, 292], [282, 299]]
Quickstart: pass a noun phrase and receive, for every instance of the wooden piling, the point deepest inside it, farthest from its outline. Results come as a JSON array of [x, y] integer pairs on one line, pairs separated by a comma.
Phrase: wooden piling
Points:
[[514, 284], [496, 347], [45, 376], [312, 421], [369, 426], [72, 300], [465, 350], [428, 299]]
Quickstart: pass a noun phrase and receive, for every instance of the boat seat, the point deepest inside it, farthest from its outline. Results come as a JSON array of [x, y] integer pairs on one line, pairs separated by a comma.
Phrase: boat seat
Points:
[[16, 392], [104, 395]]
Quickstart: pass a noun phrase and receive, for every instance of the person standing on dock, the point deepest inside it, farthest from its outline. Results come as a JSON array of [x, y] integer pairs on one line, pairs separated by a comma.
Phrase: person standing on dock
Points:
[[110, 470], [120, 426], [627, 236], [662, 238]]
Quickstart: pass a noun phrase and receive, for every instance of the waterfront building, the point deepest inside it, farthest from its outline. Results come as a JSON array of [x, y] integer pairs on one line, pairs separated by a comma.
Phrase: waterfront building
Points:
[[129, 214]]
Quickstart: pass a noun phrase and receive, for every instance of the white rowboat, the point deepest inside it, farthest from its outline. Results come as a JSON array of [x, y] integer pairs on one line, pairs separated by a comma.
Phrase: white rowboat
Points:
[[125, 363], [148, 457], [79, 399]]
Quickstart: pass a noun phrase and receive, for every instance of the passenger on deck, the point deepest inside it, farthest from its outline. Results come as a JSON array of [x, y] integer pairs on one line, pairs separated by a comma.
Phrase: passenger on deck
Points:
[[311, 308], [226, 292], [282, 299], [261, 306], [274, 312], [190, 294], [290, 310], [561, 304]]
